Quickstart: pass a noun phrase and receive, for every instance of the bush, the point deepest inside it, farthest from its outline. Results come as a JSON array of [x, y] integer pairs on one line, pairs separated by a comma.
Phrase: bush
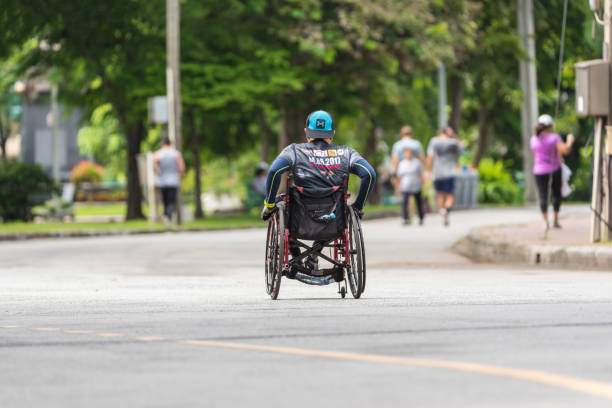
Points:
[[86, 172], [101, 196], [581, 180], [496, 185], [22, 186]]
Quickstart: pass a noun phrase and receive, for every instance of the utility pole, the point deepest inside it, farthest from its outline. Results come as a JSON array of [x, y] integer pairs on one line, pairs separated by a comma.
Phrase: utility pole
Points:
[[173, 81], [442, 121], [606, 210], [529, 87]]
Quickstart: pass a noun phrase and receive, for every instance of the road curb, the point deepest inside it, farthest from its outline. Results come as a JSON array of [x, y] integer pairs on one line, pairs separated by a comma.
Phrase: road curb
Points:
[[73, 234], [108, 233], [482, 248]]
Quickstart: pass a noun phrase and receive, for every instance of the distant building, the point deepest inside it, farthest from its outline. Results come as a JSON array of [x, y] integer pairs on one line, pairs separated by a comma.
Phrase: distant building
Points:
[[36, 134]]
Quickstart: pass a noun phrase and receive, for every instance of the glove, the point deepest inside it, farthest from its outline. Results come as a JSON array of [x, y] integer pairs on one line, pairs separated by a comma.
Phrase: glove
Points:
[[267, 212], [358, 211]]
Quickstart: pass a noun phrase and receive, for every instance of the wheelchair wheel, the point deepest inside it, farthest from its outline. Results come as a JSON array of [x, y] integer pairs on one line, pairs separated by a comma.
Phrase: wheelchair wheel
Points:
[[275, 249], [357, 255], [363, 257]]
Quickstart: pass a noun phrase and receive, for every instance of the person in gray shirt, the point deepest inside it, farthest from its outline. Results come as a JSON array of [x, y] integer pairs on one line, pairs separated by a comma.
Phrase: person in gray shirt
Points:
[[170, 167], [442, 158]]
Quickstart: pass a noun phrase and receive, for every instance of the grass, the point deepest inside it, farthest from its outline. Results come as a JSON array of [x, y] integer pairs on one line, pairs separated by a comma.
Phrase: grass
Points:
[[220, 222], [87, 209], [377, 208], [209, 223]]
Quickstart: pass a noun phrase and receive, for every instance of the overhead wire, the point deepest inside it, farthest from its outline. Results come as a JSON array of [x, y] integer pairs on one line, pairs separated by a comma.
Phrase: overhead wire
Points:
[[559, 75], [561, 51]]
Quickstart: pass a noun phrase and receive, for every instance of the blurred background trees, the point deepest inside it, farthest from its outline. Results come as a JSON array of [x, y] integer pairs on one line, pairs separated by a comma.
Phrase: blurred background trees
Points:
[[252, 69]]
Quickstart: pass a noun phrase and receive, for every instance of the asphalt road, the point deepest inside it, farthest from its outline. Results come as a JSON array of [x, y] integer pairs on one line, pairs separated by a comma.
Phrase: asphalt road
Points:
[[184, 320]]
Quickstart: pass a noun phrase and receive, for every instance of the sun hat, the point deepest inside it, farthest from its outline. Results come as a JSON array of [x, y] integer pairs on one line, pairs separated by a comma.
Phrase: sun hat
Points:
[[545, 120]]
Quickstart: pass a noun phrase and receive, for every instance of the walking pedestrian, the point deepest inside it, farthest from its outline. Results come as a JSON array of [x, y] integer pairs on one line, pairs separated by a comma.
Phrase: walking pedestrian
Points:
[[410, 173], [170, 167], [548, 149], [406, 142], [442, 157]]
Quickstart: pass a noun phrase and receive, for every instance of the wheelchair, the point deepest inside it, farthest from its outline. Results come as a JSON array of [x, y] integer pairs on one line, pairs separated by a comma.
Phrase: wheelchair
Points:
[[333, 226]]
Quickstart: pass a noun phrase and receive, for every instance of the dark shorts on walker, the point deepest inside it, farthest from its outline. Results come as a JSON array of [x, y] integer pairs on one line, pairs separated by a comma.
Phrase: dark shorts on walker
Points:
[[445, 185]]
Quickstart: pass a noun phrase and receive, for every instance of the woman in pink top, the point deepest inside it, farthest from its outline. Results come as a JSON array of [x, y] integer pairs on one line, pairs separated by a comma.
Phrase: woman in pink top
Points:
[[548, 148]]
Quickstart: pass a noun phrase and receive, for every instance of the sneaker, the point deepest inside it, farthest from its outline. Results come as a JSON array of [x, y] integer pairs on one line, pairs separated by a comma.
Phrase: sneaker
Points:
[[557, 225], [421, 221], [312, 263], [290, 273], [444, 213], [407, 221]]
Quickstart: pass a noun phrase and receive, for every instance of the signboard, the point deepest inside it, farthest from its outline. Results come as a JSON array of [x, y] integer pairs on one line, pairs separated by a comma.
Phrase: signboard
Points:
[[158, 109]]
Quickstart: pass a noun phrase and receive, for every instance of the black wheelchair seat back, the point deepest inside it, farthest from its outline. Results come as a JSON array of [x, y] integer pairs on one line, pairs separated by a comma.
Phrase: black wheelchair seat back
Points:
[[317, 214]]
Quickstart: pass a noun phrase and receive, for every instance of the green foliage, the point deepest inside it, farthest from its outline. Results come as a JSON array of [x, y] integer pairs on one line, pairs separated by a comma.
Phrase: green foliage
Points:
[[248, 65], [22, 186], [581, 176], [224, 176], [496, 185], [103, 140]]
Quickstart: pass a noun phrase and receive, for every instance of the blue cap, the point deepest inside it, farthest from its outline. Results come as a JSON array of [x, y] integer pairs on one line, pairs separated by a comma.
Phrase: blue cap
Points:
[[319, 125]]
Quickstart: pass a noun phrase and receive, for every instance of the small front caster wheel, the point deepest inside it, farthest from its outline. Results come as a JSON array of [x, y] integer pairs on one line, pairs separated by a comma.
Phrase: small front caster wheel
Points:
[[342, 289]]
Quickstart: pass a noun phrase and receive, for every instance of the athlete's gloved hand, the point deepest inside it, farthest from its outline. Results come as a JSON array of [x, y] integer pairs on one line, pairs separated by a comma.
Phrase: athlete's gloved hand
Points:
[[358, 211], [267, 212]]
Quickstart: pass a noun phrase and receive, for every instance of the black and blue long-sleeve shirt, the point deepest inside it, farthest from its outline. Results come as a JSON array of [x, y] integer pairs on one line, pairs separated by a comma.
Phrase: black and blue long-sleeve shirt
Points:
[[318, 164]]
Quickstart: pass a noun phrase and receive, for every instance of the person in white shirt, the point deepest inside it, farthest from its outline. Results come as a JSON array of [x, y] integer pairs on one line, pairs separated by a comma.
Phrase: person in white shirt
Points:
[[411, 177], [406, 141]]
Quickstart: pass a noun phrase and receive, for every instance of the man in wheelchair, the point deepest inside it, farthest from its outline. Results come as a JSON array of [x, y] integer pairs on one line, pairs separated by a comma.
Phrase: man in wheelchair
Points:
[[319, 173]]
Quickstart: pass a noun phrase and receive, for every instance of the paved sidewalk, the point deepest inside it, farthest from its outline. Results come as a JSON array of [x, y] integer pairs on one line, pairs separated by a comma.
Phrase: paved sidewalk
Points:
[[531, 243]]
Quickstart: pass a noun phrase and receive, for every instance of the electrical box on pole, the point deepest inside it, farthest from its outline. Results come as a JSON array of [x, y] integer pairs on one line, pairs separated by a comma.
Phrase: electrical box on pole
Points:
[[592, 88]]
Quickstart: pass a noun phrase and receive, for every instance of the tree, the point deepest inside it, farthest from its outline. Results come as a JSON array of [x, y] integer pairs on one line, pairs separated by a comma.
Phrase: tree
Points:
[[111, 52], [10, 104]]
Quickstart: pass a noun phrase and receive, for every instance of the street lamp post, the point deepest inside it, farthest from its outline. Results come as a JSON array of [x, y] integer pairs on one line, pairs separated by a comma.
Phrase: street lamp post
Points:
[[53, 122], [55, 144], [442, 120]]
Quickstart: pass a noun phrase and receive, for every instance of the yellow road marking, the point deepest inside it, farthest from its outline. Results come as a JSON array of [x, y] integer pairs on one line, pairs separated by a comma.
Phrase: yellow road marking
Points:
[[78, 331], [149, 338], [590, 387], [596, 388], [11, 327], [109, 334]]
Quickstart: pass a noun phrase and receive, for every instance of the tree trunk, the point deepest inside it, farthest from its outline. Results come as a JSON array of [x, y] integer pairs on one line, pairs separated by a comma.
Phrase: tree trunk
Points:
[[369, 153], [294, 124], [456, 89], [3, 146], [265, 135], [485, 125], [4, 135], [134, 135], [283, 140], [195, 151]]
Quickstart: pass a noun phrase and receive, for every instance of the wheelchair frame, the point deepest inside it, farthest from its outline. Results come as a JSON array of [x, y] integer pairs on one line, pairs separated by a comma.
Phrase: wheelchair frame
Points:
[[347, 254]]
